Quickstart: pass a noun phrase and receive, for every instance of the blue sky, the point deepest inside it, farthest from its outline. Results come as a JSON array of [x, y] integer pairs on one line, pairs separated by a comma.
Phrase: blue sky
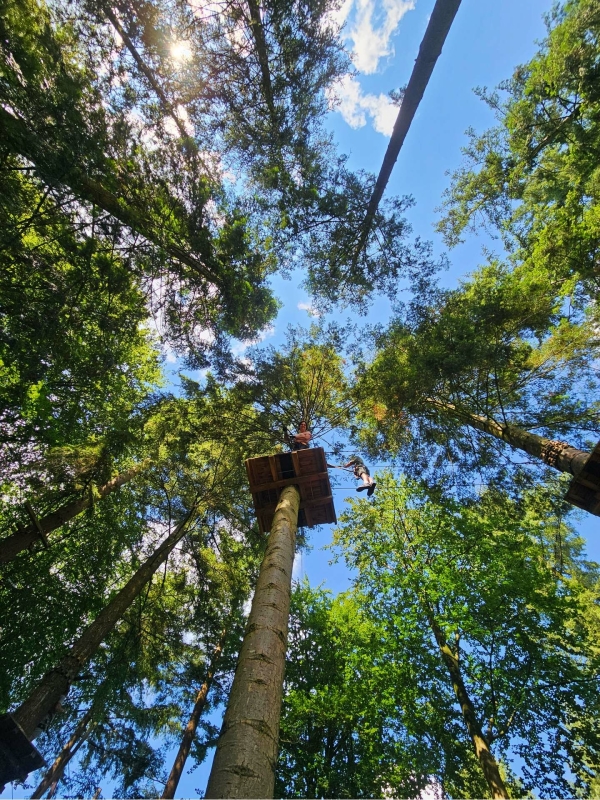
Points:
[[487, 40]]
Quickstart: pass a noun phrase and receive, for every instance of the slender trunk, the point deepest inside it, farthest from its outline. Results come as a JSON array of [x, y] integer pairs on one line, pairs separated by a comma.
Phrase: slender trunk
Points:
[[12, 545], [244, 764], [190, 730], [56, 682], [560, 455], [170, 109], [482, 750], [15, 133], [145, 70], [439, 24], [80, 734], [263, 58]]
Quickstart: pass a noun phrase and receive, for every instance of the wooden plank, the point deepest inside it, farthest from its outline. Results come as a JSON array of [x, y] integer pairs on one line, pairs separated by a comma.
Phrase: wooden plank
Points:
[[263, 487], [296, 463], [583, 497], [587, 482], [311, 478], [18, 756], [312, 459], [273, 466], [308, 516]]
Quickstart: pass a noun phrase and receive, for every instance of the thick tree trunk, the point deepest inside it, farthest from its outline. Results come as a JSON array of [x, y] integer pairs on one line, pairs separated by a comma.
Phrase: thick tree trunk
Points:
[[439, 24], [12, 545], [190, 730], [54, 774], [482, 750], [56, 682], [15, 133], [560, 455], [244, 764]]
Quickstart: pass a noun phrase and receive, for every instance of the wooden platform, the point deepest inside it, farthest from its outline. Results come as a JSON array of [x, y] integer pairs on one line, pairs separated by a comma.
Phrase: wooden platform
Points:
[[18, 757], [584, 489], [306, 469]]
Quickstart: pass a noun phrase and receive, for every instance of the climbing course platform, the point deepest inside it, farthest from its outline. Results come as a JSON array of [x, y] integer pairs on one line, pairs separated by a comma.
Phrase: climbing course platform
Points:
[[306, 469], [584, 489], [18, 756]]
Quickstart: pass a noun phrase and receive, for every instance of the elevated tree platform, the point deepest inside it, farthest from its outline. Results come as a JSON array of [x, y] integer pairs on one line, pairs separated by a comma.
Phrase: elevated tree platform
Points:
[[18, 756], [306, 469], [584, 489]]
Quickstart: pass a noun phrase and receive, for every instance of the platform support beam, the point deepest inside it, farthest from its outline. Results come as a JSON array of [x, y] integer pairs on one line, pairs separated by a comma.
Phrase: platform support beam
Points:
[[244, 764]]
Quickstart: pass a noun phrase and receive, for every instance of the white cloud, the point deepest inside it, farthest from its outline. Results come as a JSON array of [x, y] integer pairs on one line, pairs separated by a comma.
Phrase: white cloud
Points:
[[372, 30], [309, 309], [339, 16], [206, 335], [382, 111], [298, 568], [241, 345], [347, 97]]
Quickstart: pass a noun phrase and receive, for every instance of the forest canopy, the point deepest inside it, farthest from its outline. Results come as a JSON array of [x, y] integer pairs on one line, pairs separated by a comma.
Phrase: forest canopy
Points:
[[166, 165]]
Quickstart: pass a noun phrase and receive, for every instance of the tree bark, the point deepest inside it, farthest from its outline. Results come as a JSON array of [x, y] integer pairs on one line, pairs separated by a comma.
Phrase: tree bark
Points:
[[56, 682], [256, 27], [482, 750], [244, 764], [15, 133], [559, 455], [11, 546], [80, 734], [190, 730], [439, 25]]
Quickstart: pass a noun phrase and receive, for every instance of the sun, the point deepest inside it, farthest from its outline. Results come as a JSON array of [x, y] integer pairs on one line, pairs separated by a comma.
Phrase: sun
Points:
[[181, 51]]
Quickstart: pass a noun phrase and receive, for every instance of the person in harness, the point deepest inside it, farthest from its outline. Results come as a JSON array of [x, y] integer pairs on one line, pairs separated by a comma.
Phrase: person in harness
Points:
[[300, 440], [361, 471]]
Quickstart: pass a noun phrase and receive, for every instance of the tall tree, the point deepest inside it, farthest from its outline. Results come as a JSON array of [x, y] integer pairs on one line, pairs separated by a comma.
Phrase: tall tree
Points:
[[192, 726], [12, 545], [492, 357], [252, 89], [57, 682], [344, 731], [430, 49], [54, 774], [109, 167], [165, 638], [477, 584], [246, 755]]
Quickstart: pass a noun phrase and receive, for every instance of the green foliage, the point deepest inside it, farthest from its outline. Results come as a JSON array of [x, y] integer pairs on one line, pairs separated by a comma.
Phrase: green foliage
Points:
[[343, 732], [534, 178], [495, 348], [75, 357], [148, 190], [160, 196], [486, 573]]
